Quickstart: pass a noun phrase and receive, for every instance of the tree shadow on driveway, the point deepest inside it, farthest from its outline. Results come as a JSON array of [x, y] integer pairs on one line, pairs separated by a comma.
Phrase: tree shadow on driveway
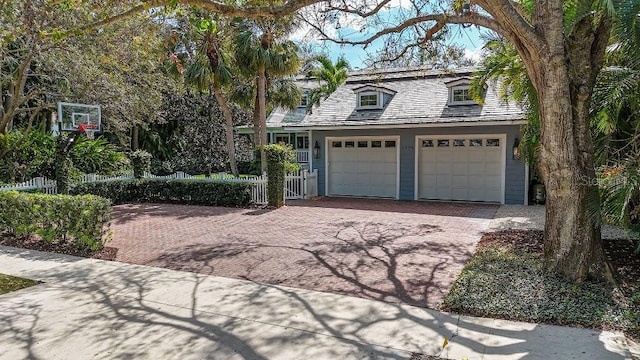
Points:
[[404, 263]]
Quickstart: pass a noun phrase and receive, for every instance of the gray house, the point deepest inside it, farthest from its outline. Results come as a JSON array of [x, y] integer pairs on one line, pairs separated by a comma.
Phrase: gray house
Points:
[[409, 134]]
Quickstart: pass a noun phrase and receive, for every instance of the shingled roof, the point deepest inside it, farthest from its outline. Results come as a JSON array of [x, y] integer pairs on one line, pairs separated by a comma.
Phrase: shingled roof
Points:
[[421, 98]]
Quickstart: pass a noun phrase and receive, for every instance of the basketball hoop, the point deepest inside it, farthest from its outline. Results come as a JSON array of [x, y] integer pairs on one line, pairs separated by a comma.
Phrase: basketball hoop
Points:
[[79, 118], [89, 130]]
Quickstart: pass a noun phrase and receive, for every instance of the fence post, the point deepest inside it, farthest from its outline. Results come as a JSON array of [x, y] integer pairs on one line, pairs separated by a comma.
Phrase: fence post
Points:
[[38, 182], [305, 188]]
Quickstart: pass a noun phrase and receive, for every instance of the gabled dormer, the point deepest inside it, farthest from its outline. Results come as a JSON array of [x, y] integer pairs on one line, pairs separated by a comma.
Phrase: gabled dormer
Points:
[[459, 93], [371, 97]]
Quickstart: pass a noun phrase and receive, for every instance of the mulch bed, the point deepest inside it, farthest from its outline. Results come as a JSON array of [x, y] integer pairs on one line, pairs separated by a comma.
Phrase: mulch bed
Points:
[[619, 252], [34, 243]]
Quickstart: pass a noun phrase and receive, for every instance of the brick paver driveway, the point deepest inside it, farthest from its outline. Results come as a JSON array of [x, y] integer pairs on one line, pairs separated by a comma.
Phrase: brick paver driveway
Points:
[[382, 249]]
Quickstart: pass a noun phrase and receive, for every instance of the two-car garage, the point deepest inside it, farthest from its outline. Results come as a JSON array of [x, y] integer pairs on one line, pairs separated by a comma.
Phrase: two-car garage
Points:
[[465, 168]]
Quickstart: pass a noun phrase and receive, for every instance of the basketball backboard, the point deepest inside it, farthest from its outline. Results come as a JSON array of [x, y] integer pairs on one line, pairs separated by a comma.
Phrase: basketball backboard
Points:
[[79, 117]]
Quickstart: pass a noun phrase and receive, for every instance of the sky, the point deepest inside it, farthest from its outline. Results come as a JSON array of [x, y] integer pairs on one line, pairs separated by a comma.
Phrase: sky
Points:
[[353, 28], [468, 38]]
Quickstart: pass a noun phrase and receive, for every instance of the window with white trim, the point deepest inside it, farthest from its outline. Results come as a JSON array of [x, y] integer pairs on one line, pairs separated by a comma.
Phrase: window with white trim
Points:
[[304, 100], [460, 95], [369, 100]]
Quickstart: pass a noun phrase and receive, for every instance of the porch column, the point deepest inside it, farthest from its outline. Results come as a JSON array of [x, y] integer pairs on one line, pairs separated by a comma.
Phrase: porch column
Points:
[[310, 150]]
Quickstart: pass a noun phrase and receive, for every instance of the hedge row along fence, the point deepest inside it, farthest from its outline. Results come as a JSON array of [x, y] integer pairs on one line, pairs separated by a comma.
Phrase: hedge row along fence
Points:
[[80, 221], [190, 192]]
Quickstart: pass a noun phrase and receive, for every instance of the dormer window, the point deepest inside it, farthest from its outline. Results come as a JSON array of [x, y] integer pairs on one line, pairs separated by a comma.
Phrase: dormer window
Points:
[[372, 97], [368, 100], [304, 100], [459, 93]]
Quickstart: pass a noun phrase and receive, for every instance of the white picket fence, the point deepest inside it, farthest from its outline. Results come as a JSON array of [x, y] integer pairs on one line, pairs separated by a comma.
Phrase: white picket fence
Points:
[[299, 185], [88, 178], [39, 183]]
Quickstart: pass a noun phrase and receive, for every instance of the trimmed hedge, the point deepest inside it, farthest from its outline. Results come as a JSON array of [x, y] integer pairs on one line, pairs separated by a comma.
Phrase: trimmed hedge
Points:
[[141, 161], [81, 221], [189, 192], [279, 156]]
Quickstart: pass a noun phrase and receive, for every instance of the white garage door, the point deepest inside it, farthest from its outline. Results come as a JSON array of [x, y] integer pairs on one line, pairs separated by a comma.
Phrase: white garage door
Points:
[[363, 167], [459, 168]]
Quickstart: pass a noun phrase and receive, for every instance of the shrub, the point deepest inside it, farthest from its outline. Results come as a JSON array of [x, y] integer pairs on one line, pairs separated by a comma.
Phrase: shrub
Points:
[[278, 157], [191, 192], [97, 156], [249, 167], [25, 155], [80, 221], [161, 168], [141, 161]]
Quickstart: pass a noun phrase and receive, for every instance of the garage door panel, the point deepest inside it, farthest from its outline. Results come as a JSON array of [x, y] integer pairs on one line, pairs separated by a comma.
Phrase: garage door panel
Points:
[[362, 167], [460, 181], [493, 182], [477, 169], [492, 168], [460, 156], [460, 169], [493, 195], [443, 155], [466, 172], [459, 194], [443, 168], [477, 156], [444, 193], [428, 180]]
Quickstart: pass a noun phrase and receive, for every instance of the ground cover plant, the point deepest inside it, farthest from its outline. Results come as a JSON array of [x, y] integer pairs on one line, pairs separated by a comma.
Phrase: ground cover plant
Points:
[[10, 283], [505, 279]]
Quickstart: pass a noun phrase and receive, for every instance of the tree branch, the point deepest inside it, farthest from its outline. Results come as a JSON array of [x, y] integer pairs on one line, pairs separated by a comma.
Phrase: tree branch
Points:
[[440, 19], [286, 8], [521, 10], [509, 17], [347, 9]]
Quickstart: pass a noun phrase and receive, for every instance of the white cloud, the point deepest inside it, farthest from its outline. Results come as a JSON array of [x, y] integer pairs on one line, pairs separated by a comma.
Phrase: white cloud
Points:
[[474, 54]]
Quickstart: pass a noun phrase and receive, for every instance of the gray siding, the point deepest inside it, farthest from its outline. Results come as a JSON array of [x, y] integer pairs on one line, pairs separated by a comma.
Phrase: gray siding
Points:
[[514, 172]]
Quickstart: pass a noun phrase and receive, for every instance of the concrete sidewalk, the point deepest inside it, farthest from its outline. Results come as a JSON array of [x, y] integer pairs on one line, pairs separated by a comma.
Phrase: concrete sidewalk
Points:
[[95, 309]]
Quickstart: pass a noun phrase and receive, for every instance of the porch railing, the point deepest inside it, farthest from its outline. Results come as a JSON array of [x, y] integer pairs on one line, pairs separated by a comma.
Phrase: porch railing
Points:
[[302, 156]]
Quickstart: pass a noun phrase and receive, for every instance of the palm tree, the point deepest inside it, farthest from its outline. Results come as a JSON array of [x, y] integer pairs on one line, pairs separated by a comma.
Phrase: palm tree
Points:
[[616, 123], [281, 92], [208, 71], [329, 76], [262, 53], [502, 62]]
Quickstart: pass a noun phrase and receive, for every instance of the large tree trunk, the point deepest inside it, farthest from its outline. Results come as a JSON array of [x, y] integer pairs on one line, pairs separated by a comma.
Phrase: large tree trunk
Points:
[[262, 115], [572, 244], [231, 146], [564, 76]]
